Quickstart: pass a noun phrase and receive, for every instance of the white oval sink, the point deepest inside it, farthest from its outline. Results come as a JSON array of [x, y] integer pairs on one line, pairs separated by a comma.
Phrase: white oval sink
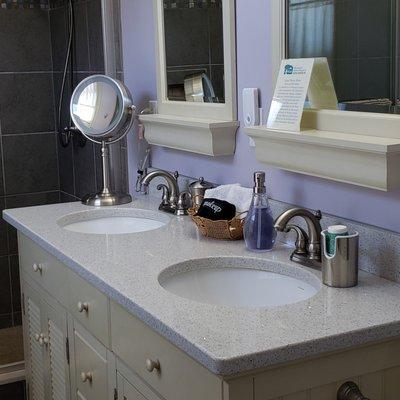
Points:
[[239, 282], [113, 221]]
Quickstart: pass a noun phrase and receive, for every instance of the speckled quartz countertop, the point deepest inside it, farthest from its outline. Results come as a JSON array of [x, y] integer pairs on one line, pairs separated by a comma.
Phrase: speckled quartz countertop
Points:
[[225, 340]]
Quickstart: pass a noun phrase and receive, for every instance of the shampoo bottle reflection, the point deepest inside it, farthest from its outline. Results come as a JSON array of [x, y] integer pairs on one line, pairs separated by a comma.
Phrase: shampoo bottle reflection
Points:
[[259, 230]]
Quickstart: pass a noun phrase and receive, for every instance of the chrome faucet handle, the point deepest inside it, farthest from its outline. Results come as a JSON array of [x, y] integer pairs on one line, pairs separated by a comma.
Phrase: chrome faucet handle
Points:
[[165, 194], [300, 253], [183, 205]]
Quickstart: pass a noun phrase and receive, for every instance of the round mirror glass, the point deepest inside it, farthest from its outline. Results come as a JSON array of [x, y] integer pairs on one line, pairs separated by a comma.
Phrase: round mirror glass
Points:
[[100, 107]]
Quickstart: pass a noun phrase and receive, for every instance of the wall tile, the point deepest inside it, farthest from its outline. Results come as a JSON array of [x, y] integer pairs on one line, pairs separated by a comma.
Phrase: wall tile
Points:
[[374, 28], [30, 163], [59, 36], [216, 35], [84, 168], [345, 74], [26, 103], [67, 198], [25, 40], [81, 46], [187, 36], [27, 200], [374, 78], [95, 36], [346, 29], [3, 231], [66, 168], [5, 286]]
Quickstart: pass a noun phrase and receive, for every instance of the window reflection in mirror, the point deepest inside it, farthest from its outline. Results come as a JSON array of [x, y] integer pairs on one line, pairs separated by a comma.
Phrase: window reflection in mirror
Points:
[[359, 39], [194, 50]]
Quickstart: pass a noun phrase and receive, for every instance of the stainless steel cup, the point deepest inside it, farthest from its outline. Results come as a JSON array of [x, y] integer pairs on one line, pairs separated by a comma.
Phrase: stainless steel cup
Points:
[[340, 270]]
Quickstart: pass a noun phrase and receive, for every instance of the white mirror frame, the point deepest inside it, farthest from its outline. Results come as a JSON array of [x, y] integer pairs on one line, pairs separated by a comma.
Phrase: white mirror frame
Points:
[[359, 148], [217, 111], [202, 128]]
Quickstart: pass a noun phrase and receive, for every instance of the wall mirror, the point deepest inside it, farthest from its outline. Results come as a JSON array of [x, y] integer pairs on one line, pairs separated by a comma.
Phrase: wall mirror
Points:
[[360, 40], [194, 50], [360, 142], [196, 77]]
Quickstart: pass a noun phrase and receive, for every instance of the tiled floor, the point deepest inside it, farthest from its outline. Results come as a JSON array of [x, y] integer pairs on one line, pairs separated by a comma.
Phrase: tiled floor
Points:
[[11, 346], [13, 391]]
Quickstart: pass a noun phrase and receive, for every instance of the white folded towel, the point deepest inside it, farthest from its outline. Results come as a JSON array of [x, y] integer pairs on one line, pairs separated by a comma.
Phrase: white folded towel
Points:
[[235, 194]]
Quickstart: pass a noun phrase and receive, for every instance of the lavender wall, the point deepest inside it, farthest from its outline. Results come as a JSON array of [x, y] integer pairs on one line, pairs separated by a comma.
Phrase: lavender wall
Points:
[[363, 205]]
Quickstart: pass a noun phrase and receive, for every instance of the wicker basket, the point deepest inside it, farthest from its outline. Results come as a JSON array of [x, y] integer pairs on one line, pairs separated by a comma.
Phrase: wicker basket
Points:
[[223, 230]]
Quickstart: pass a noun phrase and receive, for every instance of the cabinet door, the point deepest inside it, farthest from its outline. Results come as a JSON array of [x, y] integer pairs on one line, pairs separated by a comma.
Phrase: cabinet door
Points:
[[126, 391], [34, 345], [57, 352], [90, 364]]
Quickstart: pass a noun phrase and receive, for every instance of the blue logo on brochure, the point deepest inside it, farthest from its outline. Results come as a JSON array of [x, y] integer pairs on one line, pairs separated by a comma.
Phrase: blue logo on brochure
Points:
[[288, 70]]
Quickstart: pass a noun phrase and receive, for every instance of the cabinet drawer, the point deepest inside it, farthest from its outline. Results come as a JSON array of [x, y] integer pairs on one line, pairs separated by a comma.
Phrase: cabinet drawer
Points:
[[90, 366], [43, 268], [90, 307], [179, 376]]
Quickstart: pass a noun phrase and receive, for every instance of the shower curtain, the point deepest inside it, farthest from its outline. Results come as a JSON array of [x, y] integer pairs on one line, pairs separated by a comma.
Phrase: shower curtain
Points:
[[311, 28]]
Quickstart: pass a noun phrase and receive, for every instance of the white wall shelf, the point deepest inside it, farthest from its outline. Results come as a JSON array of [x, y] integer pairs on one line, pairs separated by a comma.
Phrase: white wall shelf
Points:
[[352, 153], [208, 137]]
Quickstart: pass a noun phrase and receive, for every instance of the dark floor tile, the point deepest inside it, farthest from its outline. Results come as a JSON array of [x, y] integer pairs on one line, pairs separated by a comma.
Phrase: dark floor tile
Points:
[[95, 35], [30, 163], [27, 200], [15, 284], [13, 391], [25, 40], [6, 322], [5, 286], [26, 103]]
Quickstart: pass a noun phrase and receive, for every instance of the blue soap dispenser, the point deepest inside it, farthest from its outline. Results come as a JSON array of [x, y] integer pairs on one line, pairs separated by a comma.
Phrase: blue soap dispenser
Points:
[[259, 230]]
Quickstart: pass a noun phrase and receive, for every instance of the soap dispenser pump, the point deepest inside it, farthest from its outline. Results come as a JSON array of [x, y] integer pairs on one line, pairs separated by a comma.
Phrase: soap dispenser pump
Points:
[[259, 230]]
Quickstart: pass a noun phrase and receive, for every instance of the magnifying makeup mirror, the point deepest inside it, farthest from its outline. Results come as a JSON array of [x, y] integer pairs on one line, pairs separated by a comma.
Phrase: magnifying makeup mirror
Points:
[[101, 108]]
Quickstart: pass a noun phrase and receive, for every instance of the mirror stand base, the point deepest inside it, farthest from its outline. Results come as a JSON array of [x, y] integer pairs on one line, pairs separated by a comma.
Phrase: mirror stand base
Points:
[[106, 198]]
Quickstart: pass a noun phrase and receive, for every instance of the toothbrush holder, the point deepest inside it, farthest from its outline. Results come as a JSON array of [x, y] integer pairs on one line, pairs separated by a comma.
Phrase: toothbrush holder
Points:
[[340, 270]]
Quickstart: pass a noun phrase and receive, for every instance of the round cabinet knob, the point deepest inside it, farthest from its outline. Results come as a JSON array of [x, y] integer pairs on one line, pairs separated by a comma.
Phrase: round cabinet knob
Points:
[[37, 267], [86, 377], [152, 365], [43, 340], [37, 337], [83, 306]]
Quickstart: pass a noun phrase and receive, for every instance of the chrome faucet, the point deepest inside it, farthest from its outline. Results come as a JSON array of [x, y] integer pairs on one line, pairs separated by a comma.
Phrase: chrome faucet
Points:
[[172, 200], [308, 245]]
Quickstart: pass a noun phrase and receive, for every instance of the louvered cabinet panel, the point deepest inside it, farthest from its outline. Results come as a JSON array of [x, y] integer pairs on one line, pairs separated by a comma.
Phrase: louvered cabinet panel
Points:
[[58, 380], [34, 350]]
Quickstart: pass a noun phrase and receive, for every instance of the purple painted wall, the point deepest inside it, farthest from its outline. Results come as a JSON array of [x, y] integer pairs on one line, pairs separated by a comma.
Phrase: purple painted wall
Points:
[[363, 205]]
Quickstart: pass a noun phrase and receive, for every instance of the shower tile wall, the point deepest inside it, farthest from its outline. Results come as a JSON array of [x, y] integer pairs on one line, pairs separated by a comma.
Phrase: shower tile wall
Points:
[[34, 168], [79, 163], [28, 168]]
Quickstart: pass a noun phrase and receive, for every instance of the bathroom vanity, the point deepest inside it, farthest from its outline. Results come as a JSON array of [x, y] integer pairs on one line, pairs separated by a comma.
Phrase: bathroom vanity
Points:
[[98, 324]]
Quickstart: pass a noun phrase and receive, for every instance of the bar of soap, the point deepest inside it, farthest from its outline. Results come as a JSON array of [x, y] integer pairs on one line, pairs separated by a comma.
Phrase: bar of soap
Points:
[[216, 210]]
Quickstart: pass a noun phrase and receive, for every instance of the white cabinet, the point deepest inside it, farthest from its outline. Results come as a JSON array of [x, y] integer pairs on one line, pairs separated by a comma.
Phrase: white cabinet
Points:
[[46, 346], [105, 353]]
